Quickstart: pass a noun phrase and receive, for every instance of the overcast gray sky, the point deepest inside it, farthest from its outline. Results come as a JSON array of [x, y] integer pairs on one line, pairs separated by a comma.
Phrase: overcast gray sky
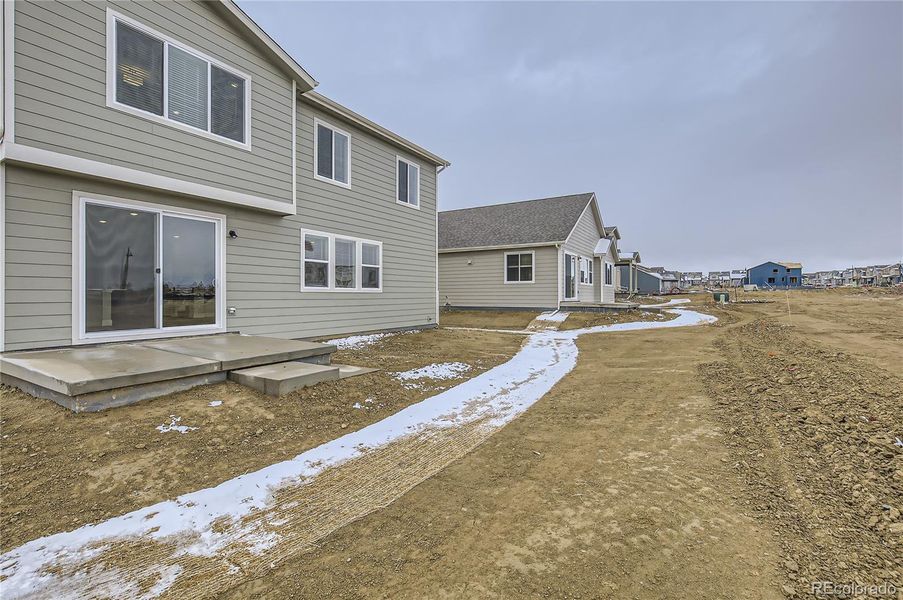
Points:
[[716, 135]]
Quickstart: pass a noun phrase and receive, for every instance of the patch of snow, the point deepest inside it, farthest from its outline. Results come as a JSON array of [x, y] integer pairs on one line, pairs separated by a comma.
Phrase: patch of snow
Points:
[[447, 370], [187, 522], [356, 405], [555, 316], [356, 342], [215, 403], [174, 426], [671, 302]]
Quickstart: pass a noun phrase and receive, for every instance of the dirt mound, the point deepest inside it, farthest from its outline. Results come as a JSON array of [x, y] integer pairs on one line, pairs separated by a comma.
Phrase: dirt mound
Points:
[[816, 434]]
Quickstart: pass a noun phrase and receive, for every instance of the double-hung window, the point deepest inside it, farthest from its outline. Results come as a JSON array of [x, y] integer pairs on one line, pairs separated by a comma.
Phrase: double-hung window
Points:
[[332, 154], [609, 274], [519, 267], [407, 182], [341, 263], [153, 76], [589, 271]]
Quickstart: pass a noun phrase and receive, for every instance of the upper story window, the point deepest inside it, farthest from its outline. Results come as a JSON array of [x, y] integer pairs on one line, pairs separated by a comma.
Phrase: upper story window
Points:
[[407, 182], [332, 154], [519, 267], [155, 77]]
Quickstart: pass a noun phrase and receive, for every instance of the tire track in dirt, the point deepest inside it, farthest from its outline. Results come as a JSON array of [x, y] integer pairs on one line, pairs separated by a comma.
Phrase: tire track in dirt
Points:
[[812, 431]]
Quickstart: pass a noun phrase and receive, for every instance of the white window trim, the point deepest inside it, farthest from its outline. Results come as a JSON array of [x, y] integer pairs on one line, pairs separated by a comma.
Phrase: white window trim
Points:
[[358, 282], [532, 253], [568, 256], [410, 163], [318, 122], [606, 266], [112, 18], [590, 268], [79, 335]]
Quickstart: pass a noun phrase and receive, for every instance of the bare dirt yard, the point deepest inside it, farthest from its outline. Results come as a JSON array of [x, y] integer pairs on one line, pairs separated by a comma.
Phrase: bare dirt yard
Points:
[[749, 459], [61, 470], [487, 319]]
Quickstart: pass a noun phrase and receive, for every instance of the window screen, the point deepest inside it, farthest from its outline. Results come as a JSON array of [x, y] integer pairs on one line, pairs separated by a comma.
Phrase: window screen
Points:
[[139, 70], [227, 96], [187, 88]]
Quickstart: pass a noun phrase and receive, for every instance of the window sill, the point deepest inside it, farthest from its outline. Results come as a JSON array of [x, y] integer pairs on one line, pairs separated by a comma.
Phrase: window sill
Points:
[[520, 282], [347, 186], [342, 290], [180, 126], [409, 205]]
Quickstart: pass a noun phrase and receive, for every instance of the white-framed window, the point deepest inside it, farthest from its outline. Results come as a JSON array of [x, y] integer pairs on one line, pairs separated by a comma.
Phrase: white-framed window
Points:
[[609, 274], [332, 154], [340, 263], [156, 77], [407, 182], [519, 267], [584, 270], [589, 270]]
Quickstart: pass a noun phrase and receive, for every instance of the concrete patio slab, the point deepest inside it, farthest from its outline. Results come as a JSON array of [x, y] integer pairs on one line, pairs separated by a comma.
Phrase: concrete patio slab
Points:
[[76, 371], [242, 351]]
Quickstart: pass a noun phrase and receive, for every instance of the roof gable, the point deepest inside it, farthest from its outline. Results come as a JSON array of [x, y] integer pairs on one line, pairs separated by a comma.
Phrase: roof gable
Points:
[[530, 222]]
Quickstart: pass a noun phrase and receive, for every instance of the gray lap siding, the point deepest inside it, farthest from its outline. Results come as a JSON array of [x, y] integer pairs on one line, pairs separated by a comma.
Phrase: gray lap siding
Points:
[[263, 265], [60, 97], [477, 279]]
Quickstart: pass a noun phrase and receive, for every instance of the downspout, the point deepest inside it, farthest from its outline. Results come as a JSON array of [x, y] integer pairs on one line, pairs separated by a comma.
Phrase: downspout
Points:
[[439, 169]]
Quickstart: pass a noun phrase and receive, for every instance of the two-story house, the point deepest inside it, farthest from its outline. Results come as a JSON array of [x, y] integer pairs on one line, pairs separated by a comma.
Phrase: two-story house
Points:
[[166, 169]]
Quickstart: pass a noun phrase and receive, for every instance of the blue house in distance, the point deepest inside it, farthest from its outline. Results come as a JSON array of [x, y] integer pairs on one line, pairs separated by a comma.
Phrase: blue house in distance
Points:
[[776, 275]]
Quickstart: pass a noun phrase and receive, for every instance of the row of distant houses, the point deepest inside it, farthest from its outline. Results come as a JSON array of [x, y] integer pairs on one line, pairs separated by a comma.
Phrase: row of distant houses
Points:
[[874, 275]]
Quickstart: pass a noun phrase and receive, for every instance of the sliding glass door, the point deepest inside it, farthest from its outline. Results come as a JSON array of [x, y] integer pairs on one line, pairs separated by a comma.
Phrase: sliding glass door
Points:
[[147, 271]]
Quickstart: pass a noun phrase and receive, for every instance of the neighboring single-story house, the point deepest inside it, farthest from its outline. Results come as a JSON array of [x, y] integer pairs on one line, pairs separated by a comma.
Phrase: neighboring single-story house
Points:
[[670, 281], [648, 281], [168, 170], [773, 274], [538, 254], [626, 271]]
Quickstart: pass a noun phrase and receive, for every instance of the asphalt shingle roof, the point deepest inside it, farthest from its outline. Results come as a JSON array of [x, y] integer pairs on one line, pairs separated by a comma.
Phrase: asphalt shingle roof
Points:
[[539, 221]]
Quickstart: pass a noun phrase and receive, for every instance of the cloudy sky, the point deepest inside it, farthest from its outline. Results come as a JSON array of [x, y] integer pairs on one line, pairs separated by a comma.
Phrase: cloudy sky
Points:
[[716, 135]]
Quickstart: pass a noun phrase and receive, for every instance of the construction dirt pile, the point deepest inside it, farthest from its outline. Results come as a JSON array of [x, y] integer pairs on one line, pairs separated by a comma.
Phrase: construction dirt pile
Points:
[[816, 435], [579, 320]]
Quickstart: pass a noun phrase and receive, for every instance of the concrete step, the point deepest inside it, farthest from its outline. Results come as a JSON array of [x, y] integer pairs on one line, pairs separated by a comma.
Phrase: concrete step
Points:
[[282, 378], [346, 371]]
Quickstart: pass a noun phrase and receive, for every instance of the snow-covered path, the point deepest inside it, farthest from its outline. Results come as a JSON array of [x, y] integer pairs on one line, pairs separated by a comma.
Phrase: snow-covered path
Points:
[[216, 535]]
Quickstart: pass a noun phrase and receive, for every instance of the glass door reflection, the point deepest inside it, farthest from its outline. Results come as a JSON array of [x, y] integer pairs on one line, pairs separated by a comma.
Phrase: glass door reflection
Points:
[[189, 272], [120, 259]]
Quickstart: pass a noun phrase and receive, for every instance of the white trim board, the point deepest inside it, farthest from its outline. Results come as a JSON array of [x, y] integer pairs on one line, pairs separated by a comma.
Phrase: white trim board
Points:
[[79, 335], [2, 256], [9, 71], [29, 155]]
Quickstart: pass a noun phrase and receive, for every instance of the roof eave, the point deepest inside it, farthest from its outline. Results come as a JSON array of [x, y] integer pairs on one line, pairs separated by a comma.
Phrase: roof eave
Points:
[[499, 247], [331, 106], [238, 17]]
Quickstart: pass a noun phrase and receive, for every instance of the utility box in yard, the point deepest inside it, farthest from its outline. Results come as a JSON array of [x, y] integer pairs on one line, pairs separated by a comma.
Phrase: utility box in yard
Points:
[[722, 297]]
